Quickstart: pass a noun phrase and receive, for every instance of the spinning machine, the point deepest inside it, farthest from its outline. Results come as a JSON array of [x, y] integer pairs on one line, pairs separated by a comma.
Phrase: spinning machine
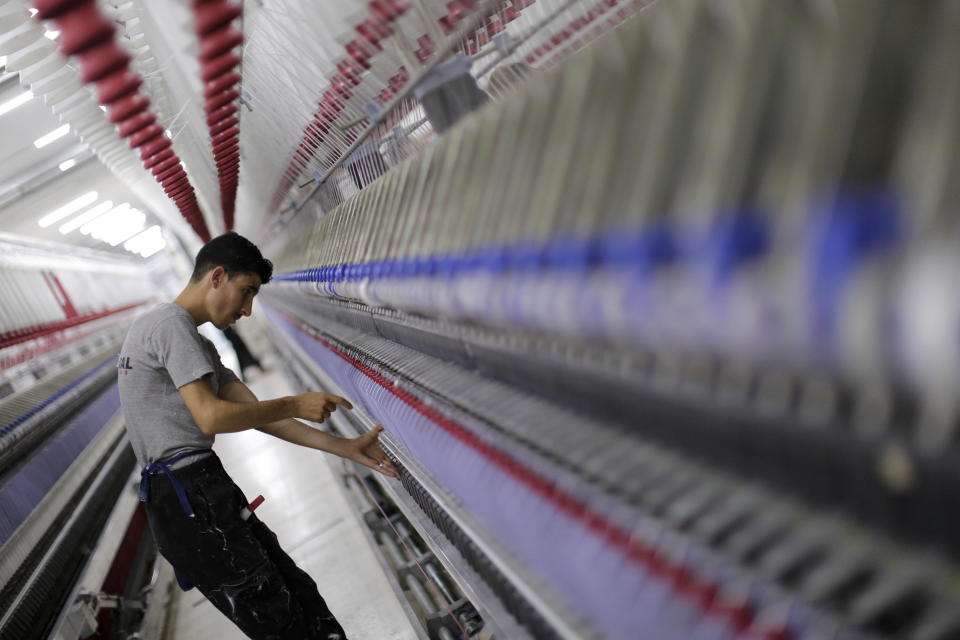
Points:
[[656, 299]]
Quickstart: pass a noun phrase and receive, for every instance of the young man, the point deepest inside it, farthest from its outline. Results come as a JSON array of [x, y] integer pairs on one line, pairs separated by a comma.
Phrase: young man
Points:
[[176, 397]]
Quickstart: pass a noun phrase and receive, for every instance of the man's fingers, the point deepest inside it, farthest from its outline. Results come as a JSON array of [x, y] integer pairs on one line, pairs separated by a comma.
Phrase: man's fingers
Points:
[[386, 468], [368, 461], [371, 437], [340, 401], [384, 465], [376, 459]]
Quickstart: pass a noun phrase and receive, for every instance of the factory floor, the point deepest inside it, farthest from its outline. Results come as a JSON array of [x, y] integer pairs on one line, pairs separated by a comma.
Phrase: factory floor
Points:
[[306, 508]]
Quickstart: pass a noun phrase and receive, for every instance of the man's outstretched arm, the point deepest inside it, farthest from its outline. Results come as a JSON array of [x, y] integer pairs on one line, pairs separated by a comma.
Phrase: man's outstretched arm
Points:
[[215, 415], [364, 449]]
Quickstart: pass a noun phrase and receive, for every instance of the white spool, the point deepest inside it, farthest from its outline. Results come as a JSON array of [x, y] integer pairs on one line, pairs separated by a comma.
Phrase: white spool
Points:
[[81, 113], [12, 15], [43, 69], [929, 314], [58, 98], [57, 80], [19, 38], [94, 127]]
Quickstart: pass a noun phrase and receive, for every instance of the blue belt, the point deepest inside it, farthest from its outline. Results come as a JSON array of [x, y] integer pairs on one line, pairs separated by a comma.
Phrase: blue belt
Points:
[[164, 467]]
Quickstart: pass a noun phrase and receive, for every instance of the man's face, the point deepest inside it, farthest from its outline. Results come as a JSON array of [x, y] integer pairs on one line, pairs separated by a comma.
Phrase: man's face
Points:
[[232, 298]]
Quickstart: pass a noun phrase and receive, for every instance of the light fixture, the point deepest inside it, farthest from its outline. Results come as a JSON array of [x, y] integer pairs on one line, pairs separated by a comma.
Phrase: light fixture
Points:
[[147, 242], [51, 35], [116, 226], [89, 225], [71, 207], [131, 225], [135, 231], [13, 103], [86, 217], [67, 164], [56, 134]]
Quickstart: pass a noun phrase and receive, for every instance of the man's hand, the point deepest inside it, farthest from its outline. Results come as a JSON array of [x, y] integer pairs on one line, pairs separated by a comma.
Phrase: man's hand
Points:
[[317, 406], [366, 450]]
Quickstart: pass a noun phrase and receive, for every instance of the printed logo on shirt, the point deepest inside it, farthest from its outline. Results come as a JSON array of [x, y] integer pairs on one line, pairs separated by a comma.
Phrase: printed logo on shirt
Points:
[[123, 365]]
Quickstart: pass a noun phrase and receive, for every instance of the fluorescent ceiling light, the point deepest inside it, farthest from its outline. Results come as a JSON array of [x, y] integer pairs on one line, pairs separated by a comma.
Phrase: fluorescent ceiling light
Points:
[[68, 164], [129, 226], [87, 227], [130, 231], [125, 228], [56, 134], [13, 103], [146, 243], [71, 207], [116, 226], [86, 217]]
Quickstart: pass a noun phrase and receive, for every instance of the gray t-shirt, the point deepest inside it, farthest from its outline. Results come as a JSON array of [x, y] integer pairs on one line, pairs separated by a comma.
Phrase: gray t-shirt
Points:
[[162, 352]]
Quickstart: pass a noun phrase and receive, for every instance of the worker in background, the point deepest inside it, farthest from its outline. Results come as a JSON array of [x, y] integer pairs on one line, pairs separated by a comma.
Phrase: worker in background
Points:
[[245, 357], [177, 396]]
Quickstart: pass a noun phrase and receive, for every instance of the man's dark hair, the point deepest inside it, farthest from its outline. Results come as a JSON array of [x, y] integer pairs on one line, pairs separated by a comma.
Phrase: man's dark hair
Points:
[[235, 254]]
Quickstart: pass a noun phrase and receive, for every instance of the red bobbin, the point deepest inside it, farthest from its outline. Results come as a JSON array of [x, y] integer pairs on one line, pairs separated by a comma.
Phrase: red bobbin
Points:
[[223, 125], [219, 42], [117, 85], [221, 83], [154, 146], [52, 9], [145, 135], [83, 27], [227, 134], [102, 60], [226, 146], [220, 65], [220, 114], [169, 172], [217, 63], [158, 158], [210, 16], [164, 166], [127, 107], [221, 99], [135, 123]]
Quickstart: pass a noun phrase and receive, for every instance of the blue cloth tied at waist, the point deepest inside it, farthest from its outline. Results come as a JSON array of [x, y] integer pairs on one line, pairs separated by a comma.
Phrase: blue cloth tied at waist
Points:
[[163, 466]]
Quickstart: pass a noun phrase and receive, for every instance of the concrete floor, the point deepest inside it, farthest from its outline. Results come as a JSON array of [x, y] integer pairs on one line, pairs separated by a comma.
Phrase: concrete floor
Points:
[[306, 508]]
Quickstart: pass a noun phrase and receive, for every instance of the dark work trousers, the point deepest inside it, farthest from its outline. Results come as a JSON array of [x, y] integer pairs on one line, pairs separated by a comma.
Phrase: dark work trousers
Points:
[[237, 564]]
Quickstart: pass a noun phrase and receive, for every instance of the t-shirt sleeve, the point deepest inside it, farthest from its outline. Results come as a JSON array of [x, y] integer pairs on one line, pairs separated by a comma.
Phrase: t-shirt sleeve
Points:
[[180, 350], [225, 374]]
